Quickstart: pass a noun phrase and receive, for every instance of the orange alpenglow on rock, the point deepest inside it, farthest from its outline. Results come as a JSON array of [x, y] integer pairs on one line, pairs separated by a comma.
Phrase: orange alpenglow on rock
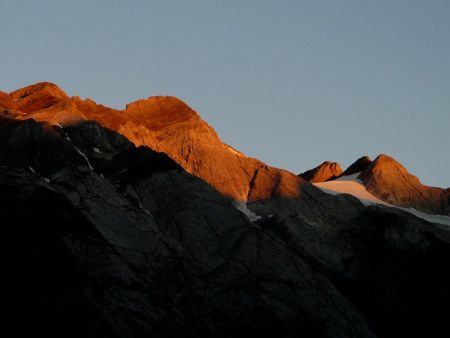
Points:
[[390, 181], [387, 180], [6, 101], [165, 124], [322, 173]]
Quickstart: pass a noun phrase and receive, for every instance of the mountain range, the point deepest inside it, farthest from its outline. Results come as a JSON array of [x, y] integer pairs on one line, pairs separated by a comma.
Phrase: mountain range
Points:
[[142, 223]]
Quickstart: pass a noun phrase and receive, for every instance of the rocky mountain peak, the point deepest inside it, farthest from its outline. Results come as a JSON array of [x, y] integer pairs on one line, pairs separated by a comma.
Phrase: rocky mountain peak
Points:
[[38, 96], [39, 88], [390, 181], [160, 111], [323, 172], [387, 168], [165, 124]]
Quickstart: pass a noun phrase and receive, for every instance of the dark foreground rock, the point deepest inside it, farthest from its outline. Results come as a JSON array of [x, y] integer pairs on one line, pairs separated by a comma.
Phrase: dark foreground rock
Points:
[[393, 266], [118, 241], [103, 239]]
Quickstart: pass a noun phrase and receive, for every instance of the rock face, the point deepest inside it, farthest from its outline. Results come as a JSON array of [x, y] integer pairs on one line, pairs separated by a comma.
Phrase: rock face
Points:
[[168, 125], [37, 97], [390, 181], [119, 241], [103, 237], [322, 173]]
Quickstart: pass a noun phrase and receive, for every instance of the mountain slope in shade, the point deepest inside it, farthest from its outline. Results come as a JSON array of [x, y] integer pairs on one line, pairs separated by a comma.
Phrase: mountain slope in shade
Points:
[[100, 238], [323, 172], [168, 125], [358, 166], [389, 181]]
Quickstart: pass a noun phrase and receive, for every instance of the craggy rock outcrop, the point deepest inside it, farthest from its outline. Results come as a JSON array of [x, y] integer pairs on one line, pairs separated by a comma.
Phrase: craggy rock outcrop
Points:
[[103, 239], [165, 124], [391, 182], [359, 165], [324, 172]]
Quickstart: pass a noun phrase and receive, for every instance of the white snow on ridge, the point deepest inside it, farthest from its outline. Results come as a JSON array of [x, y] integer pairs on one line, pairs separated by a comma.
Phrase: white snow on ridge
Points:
[[40, 176], [242, 207], [353, 186], [82, 154]]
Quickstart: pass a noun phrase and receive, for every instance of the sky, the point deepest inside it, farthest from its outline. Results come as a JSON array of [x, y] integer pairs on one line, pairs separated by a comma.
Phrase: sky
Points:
[[293, 83]]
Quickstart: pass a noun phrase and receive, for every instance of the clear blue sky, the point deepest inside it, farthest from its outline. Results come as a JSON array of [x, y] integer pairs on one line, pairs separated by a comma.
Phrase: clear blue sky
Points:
[[293, 83]]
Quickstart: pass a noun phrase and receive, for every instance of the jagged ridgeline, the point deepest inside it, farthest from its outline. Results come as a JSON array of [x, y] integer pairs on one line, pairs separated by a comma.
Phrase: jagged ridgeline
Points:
[[142, 223]]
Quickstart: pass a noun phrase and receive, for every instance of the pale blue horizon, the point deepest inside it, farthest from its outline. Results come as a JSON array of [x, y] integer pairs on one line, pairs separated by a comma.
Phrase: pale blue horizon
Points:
[[293, 83]]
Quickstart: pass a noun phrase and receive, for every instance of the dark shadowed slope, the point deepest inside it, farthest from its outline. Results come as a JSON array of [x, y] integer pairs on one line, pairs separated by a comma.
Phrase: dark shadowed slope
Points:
[[103, 237]]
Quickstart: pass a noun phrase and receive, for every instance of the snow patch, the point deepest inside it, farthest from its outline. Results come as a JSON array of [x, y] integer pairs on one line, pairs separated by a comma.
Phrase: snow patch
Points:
[[144, 209], [353, 186], [242, 207], [441, 219], [350, 185], [82, 154], [42, 177]]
